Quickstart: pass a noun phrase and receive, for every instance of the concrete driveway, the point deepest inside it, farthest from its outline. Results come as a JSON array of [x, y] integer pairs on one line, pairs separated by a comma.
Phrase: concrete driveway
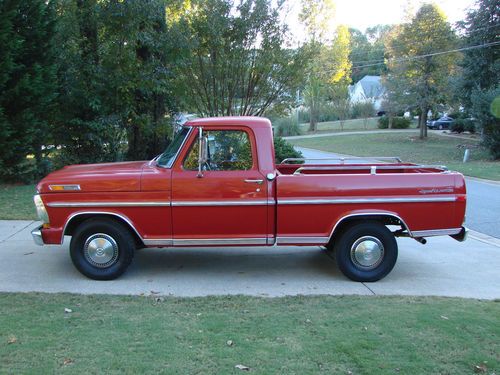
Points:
[[443, 267]]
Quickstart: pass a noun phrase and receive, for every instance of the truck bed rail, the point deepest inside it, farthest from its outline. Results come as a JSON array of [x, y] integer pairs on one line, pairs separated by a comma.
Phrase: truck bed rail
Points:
[[343, 159], [372, 168]]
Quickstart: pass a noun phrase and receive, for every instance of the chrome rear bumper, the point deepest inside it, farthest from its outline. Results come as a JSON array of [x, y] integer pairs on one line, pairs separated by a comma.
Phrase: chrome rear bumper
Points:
[[461, 236], [37, 236]]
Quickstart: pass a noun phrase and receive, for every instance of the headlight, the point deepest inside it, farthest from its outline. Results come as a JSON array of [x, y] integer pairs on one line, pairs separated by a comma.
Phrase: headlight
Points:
[[40, 209]]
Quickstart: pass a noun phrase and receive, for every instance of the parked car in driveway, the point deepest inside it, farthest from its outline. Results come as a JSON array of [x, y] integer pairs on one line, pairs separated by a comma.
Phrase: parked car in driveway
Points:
[[217, 184], [444, 122]]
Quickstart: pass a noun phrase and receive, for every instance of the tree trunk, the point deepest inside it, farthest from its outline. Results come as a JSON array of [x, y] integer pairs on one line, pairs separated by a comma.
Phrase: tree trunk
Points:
[[391, 117], [423, 123], [313, 124]]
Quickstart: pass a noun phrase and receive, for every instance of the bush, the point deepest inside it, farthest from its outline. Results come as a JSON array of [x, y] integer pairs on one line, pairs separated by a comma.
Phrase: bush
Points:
[[463, 125], [283, 150], [287, 126], [362, 110], [397, 122]]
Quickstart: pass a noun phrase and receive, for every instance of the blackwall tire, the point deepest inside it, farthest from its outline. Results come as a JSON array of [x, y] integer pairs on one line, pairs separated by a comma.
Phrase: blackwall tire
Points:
[[102, 249], [366, 251]]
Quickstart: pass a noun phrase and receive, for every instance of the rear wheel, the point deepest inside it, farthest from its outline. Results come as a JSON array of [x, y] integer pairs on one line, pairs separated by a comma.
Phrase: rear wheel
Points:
[[366, 251], [102, 249]]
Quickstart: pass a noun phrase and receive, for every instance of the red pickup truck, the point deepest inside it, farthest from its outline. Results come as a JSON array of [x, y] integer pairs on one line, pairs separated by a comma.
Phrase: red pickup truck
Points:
[[217, 184]]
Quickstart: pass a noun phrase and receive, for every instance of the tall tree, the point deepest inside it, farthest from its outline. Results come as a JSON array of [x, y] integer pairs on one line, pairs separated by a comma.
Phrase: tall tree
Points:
[[27, 85], [234, 57], [480, 78], [417, 62]]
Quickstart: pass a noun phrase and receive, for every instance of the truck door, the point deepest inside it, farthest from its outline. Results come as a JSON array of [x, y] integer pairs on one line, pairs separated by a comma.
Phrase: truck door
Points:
[[225, 204]]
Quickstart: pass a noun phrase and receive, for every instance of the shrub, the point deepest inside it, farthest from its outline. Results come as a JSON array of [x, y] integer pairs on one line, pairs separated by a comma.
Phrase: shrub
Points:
[[397, 122], [362, 110], [283, 150], [287, 126], [463, 125]]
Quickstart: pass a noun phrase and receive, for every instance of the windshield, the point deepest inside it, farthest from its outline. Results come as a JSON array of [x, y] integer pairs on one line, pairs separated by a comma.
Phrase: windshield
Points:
[[167, 158]]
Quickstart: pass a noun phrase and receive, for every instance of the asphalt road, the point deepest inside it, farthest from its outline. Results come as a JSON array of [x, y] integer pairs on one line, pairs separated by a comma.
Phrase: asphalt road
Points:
[[443, 267], [483, 198]]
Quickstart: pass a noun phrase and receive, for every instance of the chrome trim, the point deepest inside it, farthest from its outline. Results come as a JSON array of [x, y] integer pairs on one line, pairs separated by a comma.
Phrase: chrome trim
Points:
[[37, 236], [200, 152], [220, 241], [108, 204], [66, 187], [124, 218], [256, 202], [342, 159], [383, 214], [436, 232], [302, 240], [158, 242], [250, 181], [366, 200]]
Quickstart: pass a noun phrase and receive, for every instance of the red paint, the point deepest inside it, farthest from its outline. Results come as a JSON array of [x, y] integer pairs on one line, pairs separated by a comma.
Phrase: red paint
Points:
[[143, 182]]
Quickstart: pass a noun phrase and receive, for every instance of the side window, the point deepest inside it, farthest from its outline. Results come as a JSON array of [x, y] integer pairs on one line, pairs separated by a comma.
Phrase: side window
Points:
[[228, 150]]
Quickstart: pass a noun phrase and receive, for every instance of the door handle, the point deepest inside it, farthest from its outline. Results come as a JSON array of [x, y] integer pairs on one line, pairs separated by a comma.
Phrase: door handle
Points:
[[254, 182]]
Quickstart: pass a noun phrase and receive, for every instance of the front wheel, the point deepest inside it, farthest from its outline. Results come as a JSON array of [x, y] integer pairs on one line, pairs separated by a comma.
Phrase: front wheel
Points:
[[366, 251], [102, 249]]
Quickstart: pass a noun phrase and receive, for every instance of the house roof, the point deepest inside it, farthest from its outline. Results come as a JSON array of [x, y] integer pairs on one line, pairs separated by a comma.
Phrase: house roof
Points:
[[372, 86]]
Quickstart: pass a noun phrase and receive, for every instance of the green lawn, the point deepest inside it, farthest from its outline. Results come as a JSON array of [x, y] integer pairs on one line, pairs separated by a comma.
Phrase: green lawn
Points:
[[292, 335], [434, 150], [16, 202], [349, 125]]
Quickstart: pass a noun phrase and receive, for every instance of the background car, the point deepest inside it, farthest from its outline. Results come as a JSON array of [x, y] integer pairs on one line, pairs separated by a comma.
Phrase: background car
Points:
[[444, 122]]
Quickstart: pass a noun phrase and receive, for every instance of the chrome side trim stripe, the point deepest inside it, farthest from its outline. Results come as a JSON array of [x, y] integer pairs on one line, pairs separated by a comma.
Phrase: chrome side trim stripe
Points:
[[367, 200], [435, 232], [301, 240], [158, 242], [259, 202], [220, 241], [256, 202], [107, 204]]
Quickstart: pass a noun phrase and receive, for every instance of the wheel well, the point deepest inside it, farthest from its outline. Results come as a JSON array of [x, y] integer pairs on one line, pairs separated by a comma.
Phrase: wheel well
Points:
[[75, 222], [385, 219]]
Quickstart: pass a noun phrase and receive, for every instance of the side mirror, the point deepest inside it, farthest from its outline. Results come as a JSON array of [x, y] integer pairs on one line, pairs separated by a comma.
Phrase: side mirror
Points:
[[202, 152]]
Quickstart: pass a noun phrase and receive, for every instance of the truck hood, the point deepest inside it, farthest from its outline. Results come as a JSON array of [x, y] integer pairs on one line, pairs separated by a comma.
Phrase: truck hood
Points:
[[124, 176]]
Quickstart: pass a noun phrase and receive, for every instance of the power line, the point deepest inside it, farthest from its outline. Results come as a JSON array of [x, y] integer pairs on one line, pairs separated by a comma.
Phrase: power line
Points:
[[381, 62]]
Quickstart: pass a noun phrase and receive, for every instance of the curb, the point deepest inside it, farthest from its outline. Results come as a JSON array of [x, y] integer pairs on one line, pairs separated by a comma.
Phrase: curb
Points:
[[483, 180], [484, 238]]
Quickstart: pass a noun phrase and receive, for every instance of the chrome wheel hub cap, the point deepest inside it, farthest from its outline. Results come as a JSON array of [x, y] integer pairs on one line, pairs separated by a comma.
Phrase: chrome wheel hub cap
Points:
[[101, 250], [367, 252]]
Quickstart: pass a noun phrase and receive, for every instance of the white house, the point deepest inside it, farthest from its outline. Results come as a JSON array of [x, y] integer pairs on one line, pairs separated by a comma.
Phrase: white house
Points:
[[367, 89]]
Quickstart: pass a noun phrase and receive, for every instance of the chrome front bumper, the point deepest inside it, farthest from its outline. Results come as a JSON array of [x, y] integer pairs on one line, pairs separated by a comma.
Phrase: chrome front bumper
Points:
[[37, 236]]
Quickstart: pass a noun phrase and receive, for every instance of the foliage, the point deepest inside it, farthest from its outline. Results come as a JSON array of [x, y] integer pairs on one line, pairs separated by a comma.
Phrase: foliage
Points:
[[233, 57], [397, 122], [415, 74], [368, 48], [115, 80], [284, 149], [463, 125], [342, 106], [363, 110], [27, 86], [328, 71], [287, 126], [485, 107], [480, 76]]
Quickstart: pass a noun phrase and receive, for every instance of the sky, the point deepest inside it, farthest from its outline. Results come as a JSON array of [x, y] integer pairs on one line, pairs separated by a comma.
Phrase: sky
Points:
[[361, 14]]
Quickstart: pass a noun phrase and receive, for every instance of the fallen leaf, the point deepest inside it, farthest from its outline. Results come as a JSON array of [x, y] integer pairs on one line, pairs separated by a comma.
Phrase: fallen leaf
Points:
[[229, 342], [66, 310], [67, 361], [480, 369], [444, 317], [308, 320], [154, 292], [242, 367], [32, 252], [12, 340]]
